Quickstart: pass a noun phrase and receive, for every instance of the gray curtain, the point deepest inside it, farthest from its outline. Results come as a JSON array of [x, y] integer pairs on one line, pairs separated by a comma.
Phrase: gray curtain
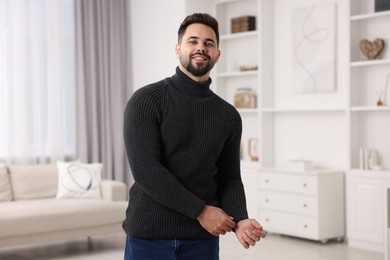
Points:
[[103, 83]]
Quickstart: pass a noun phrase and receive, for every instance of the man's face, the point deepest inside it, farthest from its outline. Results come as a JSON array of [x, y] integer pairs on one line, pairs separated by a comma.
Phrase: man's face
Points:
[[198, 51]]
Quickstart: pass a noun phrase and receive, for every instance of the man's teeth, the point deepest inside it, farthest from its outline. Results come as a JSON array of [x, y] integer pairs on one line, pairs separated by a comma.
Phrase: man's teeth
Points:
[[199, 58]]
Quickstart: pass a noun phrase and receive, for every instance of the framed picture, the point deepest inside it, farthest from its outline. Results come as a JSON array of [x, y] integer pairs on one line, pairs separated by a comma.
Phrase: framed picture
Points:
[[314, 50]]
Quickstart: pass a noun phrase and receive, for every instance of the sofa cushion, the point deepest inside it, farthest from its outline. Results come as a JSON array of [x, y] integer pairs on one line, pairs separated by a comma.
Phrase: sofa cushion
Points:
[[39, 216], [5, 187], [33, 181], [79, 180]]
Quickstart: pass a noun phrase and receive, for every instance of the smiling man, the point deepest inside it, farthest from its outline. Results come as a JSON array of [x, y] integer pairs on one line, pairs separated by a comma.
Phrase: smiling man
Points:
[[183, 146]]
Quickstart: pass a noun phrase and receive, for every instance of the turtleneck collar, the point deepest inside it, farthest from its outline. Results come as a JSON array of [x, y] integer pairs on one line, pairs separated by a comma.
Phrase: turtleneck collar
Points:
[[190, 87]]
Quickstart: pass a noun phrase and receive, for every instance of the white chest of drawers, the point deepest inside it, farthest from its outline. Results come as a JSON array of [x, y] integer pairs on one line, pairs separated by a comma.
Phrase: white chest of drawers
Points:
[[303, 204]]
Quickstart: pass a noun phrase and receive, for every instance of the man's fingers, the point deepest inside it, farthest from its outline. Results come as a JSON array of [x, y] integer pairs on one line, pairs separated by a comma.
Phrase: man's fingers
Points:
[[249, 239], [256, 224], [243, 242], [231, 224], [253, 236], [228, 228]]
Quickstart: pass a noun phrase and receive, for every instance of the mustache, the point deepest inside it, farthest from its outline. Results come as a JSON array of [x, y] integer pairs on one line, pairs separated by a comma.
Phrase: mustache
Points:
[[200, 53]]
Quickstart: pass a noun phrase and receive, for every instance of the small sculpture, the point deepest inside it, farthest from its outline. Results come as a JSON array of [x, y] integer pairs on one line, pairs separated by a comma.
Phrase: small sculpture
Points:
[[253, 149], [373, 161], [372, 49], [379, 102]]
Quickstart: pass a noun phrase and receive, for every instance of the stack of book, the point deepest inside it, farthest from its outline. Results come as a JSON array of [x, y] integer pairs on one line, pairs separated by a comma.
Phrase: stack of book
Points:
[[243, 24], [382, 5]]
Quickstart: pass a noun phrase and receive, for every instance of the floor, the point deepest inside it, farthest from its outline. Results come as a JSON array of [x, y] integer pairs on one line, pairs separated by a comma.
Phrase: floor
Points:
[[274, 247]]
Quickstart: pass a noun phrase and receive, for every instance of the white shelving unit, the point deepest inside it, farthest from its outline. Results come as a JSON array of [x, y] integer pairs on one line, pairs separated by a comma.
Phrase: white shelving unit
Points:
[[242, 49], [272, 118], [327, 128], [369, 126]]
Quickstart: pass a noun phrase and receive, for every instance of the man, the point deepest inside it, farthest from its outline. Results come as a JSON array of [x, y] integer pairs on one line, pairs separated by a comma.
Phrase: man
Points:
[[183, 146]]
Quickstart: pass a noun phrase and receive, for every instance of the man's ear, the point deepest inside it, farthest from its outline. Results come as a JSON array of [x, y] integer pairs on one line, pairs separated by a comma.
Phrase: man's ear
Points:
[[177, 50], [218, 55]]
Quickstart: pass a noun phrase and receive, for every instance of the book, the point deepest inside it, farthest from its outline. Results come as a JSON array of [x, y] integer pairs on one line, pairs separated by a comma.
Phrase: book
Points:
[[382, 5]]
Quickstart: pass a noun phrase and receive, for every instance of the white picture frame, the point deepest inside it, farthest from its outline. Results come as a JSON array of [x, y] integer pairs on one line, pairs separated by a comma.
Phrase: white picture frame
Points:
[[314, 48]]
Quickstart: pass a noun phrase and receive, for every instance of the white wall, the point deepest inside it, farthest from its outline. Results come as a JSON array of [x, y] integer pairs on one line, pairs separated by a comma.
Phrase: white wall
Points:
[[154, 25], [321, 137], [284, 97]]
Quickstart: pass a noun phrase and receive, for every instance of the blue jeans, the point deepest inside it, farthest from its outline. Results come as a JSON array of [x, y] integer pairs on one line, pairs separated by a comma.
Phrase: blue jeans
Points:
[[172, 249]]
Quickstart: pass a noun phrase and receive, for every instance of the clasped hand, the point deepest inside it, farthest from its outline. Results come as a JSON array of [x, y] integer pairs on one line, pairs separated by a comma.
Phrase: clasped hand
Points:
[[217, 222]]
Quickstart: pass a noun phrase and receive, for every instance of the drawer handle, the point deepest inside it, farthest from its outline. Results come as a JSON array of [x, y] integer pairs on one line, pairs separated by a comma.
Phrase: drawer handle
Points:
[[267, 219], [266, 181], [267, 200], [305, 205], [305, 226], [304, 184]]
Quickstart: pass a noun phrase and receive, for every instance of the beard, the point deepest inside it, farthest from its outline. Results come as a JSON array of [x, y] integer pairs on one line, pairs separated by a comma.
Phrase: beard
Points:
[[197, 69]]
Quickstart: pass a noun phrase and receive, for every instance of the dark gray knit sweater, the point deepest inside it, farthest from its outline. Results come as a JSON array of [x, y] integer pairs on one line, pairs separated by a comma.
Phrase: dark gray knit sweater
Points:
[[182, 143]]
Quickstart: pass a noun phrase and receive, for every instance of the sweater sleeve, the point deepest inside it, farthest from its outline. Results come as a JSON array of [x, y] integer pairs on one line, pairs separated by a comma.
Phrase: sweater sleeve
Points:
[[142, 118], [231, 190]]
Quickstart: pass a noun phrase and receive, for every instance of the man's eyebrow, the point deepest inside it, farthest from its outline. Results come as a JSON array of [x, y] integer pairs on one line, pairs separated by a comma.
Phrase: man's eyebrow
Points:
[[197, 38]]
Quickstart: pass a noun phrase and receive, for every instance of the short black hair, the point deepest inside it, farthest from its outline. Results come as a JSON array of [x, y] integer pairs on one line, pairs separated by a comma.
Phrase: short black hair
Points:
[[201, 18]]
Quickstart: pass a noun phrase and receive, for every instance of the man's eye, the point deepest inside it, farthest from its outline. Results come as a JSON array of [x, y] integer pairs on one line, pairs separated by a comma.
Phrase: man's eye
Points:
[[192, 42], [209, 44]]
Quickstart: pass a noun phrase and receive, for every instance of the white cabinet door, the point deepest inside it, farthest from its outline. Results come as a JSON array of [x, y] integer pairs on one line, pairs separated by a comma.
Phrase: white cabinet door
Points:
[[365, 211]]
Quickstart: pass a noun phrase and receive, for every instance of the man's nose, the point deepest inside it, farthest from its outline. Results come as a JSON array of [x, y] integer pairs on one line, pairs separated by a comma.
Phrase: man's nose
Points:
[[201, 48]]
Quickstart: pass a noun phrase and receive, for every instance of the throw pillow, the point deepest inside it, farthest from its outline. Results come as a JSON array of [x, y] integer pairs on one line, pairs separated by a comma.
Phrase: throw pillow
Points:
[[79, 180], [33, 181]]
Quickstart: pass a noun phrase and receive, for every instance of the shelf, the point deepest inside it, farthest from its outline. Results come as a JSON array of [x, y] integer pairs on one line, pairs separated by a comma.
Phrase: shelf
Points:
[[371, 173], [369, 16], [303, 110], [370, 108], [369, 63], [250, 164], [247, 110], [239, 35], [237, 74], [220, 2]]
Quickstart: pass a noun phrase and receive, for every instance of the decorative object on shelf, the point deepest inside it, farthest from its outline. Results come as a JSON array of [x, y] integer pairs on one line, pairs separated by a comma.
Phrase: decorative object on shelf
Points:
[[246, 67], [314, 51], [382, 5], [253, 149], [243, 24], [379, 102], [300, 165], [372, 49], [382, 95], [245, 98], [363, 159], [373, 161], [369, 160], [385, 90]]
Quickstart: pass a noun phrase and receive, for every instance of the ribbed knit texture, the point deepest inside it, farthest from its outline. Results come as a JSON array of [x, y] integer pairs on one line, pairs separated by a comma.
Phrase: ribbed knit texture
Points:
[[183, 143]]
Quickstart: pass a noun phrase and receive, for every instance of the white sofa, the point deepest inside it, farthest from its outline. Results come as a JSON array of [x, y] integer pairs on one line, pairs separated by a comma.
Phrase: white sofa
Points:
[[31, 213]]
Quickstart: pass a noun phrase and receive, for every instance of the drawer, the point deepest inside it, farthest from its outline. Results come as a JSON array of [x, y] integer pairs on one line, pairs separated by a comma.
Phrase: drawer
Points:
[[302, 184], [289, 224], [304, 205]]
